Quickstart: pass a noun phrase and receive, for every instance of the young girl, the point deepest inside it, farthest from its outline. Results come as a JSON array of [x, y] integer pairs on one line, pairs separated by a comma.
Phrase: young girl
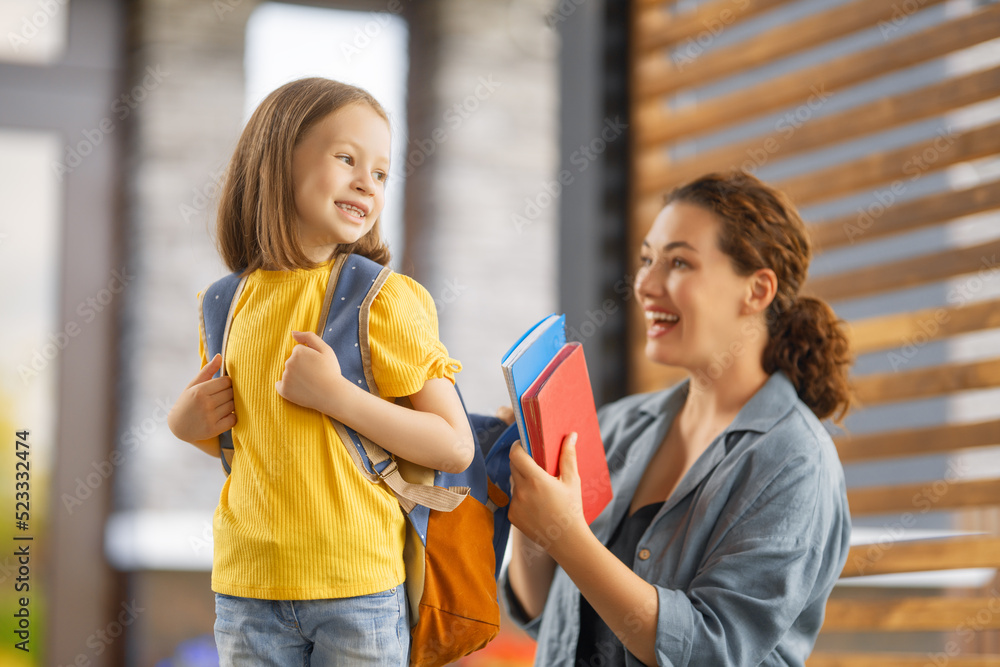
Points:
[[308, 563]]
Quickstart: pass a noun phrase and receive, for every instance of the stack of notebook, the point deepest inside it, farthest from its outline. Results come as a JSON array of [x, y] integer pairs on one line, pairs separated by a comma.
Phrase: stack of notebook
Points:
[[550, 392]]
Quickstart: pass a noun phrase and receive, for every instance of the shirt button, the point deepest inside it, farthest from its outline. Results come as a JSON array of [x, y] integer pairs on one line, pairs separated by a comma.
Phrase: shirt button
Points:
[[644, 554]]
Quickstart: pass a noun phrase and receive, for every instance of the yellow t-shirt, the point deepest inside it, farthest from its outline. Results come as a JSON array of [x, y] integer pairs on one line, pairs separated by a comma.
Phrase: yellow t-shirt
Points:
[[296, 520]]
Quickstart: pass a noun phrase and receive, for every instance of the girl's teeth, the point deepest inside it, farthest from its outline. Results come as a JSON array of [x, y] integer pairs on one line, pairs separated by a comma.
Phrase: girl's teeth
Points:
[[352, 209]]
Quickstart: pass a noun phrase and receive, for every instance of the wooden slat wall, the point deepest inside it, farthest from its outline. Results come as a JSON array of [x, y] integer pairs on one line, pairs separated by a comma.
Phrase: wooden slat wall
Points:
[[714, 84]]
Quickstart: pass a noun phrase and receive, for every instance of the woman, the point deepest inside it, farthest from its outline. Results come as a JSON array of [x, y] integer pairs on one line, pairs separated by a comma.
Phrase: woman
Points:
[[729, 523]]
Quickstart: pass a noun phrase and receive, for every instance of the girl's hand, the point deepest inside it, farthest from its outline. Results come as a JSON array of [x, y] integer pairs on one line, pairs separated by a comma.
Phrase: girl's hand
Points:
[[547, 509], [505, 413], [312, 376], [205, 407]]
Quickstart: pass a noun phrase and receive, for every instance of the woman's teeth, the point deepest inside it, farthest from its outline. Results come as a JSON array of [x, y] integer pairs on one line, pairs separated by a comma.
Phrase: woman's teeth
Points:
[[661, 318]]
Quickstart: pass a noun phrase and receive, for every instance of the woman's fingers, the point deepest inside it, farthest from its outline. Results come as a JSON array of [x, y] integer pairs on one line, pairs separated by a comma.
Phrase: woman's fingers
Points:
[[568, 470]]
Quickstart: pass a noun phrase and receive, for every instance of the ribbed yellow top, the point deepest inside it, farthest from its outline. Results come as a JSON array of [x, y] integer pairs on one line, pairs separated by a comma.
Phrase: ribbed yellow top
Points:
[[296, 520]]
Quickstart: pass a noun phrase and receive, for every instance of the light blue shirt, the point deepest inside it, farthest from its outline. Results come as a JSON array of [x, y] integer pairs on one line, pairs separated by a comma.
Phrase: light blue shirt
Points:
[[743, 554]]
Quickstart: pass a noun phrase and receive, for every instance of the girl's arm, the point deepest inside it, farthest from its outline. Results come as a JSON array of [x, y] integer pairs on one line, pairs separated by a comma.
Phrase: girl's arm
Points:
[[549, 511], [204, 409], [435, 434]]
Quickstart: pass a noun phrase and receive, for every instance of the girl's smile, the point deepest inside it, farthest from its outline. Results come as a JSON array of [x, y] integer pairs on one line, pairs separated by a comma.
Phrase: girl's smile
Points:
[[339, 169], [355, 211]]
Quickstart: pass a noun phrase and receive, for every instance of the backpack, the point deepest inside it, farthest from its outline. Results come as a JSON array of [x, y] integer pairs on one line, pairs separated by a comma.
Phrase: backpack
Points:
[[457, 525]]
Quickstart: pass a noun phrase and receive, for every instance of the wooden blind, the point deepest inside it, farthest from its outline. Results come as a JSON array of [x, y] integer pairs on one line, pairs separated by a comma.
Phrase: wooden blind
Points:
[[881, 119]]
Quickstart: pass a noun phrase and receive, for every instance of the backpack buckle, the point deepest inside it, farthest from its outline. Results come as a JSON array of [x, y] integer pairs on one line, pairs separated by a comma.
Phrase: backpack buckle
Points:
[[389, 470]]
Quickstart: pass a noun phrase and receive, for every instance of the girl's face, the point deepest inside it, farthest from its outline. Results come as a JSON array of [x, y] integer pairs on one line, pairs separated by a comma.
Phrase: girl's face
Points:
[[339, 169], [693, 300]]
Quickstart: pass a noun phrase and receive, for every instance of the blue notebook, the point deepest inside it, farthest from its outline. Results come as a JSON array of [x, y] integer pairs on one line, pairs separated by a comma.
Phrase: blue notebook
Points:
[[527, 358]]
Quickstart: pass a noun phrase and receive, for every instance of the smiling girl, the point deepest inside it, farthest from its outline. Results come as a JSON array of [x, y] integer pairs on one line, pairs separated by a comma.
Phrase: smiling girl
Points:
[[729, 523], [308, 561]]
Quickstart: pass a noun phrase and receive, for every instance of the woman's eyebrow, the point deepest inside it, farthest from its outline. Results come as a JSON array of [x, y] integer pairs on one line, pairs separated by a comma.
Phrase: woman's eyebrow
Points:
[[671, 246]]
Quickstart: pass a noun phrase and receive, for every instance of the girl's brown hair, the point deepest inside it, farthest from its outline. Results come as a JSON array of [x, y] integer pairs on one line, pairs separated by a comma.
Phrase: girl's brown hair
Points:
[[256, 222], [760, 229]]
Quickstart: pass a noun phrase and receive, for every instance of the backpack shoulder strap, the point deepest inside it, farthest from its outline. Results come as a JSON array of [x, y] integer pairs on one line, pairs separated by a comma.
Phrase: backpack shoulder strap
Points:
[[354, 283], [216, 315]]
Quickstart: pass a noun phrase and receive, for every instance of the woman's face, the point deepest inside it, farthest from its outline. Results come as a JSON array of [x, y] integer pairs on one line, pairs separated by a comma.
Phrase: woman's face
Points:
[[693, 301]]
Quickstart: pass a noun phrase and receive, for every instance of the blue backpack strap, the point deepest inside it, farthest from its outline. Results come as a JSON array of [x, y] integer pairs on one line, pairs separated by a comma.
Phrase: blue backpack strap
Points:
[[216, 310], [354, 283], [498, 470]]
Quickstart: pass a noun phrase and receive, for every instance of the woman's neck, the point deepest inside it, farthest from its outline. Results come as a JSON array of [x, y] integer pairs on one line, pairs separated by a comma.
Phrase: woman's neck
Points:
[[713, 404]]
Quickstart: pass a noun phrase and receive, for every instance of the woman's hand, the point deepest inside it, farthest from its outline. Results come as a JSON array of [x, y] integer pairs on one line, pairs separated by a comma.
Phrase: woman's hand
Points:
[[205, 408], [312, 376], [547, 509]]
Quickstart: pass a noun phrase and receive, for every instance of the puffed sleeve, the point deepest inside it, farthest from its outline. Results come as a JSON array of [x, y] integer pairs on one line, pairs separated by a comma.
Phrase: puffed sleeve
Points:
[[403, 337]]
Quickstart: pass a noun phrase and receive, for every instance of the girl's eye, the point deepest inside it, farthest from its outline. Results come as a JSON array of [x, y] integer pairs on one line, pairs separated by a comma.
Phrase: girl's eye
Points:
[[645, 261], [678, 263], [347, 159], [380, 176]]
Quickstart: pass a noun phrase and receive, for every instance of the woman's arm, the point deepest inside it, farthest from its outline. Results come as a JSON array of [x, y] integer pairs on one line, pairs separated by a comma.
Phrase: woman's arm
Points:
[[780, 550], [530, 572], [204, 409], [435, 434], [549, 510]]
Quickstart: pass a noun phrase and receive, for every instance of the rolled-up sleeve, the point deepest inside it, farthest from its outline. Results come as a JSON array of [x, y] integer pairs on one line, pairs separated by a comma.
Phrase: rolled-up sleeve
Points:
[[515, 611], [756, 580]]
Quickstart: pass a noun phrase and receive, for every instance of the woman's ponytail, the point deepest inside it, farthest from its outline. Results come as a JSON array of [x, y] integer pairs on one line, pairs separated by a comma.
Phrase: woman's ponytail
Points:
[[808, 343], [760, 228]]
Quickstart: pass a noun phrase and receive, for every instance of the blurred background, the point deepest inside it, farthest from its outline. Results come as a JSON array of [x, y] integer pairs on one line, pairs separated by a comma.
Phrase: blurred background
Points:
[[533, 140]]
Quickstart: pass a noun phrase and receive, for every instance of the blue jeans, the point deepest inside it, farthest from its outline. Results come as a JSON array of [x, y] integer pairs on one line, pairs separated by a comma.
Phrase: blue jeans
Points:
[[368, 630]]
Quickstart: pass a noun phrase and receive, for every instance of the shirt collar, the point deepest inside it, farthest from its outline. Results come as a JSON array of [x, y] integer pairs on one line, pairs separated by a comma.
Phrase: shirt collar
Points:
[[765, 408]]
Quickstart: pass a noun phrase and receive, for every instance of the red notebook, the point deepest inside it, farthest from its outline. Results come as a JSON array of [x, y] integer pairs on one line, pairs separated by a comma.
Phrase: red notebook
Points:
[[557, 403]]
